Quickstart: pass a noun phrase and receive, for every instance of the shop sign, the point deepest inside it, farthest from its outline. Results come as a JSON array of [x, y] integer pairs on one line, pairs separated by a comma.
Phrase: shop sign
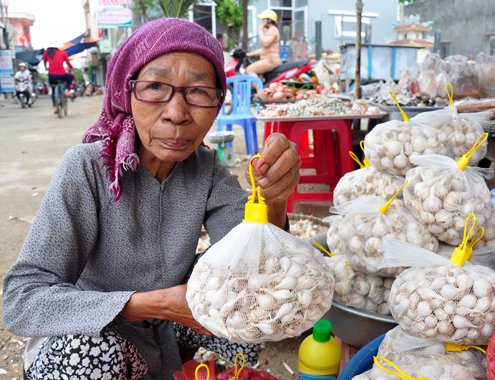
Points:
[[114, 13], [6, 71]]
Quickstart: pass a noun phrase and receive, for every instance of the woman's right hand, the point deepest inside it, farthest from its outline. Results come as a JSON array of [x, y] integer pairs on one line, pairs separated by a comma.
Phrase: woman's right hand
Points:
[[168, 304]]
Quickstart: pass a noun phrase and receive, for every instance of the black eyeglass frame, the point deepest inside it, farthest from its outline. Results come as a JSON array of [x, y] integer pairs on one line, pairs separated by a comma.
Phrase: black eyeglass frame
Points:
[[132, 86]]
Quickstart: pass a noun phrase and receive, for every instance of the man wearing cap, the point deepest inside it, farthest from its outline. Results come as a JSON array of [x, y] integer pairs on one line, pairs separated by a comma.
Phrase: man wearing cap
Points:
[[270, 45], [25, 74]]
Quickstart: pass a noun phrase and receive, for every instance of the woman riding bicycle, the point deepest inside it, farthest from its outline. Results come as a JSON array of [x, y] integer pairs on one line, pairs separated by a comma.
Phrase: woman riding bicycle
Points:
[[56, 69]]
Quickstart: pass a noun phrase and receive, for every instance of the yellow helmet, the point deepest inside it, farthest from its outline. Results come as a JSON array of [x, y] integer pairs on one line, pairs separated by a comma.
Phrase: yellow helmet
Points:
[[269, 14]]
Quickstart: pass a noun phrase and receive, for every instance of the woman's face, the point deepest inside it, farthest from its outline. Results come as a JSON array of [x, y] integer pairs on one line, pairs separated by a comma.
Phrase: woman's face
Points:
[[171, 131]]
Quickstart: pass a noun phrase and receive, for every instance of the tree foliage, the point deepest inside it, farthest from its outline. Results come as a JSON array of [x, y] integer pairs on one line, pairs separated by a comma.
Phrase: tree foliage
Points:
[[230, 13], [155, 9]]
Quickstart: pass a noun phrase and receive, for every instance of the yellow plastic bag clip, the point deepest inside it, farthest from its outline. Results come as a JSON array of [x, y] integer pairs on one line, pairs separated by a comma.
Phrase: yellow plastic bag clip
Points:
[[460, 252], [452, 347], [450, 94], [355, 158], [400, 373], [464, 160], [255, 212], [324, 250], [404, 116], [237, 373], [470, 245], [207, 371], [365, 160], [385, 207]]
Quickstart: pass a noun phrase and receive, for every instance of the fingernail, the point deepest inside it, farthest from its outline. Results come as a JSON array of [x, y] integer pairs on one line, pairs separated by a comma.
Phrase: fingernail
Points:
[[263, 182], [263, 168]]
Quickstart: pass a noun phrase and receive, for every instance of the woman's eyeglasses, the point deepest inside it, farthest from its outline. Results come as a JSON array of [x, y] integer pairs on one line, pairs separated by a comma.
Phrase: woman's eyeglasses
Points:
[[158, 92]]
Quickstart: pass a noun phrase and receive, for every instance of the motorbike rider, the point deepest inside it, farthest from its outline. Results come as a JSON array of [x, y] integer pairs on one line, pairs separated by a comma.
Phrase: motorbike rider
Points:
[[270, 46], [25, 74]]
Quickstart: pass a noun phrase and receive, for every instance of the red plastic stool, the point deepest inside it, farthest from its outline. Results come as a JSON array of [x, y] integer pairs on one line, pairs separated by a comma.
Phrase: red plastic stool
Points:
[[304, 148], [332, 143]]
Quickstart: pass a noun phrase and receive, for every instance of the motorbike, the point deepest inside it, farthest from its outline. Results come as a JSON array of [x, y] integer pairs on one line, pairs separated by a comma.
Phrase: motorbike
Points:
[[284, 71], [73, 90], [22, 93]]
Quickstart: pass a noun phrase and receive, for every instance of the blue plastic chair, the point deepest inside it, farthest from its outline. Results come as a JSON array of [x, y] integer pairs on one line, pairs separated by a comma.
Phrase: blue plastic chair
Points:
[[241, 111], [362, 361]]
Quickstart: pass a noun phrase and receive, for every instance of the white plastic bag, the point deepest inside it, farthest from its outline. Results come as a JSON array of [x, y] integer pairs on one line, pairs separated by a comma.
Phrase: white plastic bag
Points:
[[437, 300], [427, 83], [463, 129], [357, 289], [441, 196], [366, 181], [364, 226], [442, 81], [391, 145], [259, 284]]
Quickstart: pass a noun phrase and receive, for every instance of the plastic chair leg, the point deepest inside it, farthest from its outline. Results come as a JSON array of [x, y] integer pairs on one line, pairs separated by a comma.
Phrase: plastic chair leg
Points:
[[255, 137], [248, 137]]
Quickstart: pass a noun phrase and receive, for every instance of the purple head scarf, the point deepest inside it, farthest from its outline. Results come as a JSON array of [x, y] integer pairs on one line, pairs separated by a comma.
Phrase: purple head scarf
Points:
[[116, 124]]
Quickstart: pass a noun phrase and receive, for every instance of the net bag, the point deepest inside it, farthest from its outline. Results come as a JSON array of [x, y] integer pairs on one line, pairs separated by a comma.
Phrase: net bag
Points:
[[333, 240], [441, 193], [259, 283], [357, 289], [438, 300], [490, 357], [418, 357], [367, 221]]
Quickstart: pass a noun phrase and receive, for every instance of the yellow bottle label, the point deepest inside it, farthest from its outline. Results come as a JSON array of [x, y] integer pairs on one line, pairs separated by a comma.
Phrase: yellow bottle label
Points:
[[303, 375]]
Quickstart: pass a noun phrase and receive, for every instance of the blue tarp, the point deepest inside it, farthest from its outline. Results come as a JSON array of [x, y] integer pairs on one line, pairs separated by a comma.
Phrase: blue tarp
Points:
[[77, 48], [32, 57]]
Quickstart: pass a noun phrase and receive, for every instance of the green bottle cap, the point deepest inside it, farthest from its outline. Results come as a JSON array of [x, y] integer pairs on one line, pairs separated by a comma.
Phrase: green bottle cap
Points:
[[322, 331]]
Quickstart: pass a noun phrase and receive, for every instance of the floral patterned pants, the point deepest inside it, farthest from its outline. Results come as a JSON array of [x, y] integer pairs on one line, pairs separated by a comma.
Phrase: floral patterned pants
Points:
[[110, 356]]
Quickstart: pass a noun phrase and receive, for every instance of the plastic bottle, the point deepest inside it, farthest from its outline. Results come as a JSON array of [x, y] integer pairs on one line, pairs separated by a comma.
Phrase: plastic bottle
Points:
[[319, 354]]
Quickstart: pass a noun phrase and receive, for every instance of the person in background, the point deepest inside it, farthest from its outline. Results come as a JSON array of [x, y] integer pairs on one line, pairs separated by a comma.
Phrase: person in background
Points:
[[270, 46], [25, 74], [56, 70]]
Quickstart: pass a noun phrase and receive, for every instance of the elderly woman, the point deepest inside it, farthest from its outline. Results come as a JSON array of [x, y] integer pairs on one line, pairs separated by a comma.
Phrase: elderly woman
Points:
[[100, 278]]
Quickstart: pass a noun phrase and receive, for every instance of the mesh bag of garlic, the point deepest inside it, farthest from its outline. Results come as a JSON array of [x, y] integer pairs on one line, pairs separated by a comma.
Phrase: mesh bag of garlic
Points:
[[333, 240], [366, 181], [441, 196], [463, 129], [364, 226], [357, 289], [418, 357], [437, 300], [390, 146]]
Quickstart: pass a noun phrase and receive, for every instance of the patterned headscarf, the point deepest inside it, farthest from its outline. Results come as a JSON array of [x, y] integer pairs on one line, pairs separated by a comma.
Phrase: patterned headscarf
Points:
[[116, 124]]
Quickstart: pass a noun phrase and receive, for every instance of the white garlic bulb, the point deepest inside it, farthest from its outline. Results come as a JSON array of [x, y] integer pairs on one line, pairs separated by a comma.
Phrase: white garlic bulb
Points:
[[333, 239]]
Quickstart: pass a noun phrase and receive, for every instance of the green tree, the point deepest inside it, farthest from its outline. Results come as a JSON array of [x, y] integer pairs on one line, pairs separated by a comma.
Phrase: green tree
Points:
[[78, 73], [230, 13], [154, 9]]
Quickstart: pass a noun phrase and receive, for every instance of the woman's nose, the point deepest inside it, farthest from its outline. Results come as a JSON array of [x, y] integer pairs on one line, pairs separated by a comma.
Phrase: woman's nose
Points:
[[176, 109]]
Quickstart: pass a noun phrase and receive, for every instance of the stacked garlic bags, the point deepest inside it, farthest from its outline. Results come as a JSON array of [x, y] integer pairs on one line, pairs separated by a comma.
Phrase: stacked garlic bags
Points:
[[418, 357], [437, 300], [367, 221], [333, 240], [463, 129], [259, 283], [390, 146], [357, 289], [441, 193]]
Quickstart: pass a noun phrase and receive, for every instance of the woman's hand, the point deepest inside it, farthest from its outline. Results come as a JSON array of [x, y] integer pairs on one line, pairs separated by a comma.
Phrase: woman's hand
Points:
[[277, 173], [168, 304]]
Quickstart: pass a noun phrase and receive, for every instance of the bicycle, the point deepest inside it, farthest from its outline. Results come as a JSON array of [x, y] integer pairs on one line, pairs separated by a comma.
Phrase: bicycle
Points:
[[60, 98]]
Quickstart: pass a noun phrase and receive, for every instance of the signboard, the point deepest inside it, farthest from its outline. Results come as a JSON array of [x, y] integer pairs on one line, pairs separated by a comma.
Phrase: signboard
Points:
[[6, 71], [105, 46], [114, 13]]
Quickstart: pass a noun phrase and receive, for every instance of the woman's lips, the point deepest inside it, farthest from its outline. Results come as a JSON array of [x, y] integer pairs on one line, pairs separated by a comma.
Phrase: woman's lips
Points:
[[174, 143]]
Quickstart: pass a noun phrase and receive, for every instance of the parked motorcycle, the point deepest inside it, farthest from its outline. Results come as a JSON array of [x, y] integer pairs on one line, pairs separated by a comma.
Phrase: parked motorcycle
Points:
[[22, 93], [285, 71]]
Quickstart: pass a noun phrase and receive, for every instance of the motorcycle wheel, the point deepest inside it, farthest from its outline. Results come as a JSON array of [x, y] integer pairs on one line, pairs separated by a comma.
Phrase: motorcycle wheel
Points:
[[229, 99]]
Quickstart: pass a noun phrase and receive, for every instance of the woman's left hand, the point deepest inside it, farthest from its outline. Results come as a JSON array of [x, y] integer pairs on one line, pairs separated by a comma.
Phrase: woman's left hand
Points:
[[277, 170]]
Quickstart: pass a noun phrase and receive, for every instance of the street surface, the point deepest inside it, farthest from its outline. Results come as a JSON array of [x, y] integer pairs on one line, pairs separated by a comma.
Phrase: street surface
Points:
[[32, 143]]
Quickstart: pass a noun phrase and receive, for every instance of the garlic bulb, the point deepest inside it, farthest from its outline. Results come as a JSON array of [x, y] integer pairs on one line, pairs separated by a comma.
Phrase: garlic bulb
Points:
[[418, 357], [441, 196], [389, 146], [367, 181], [357, 289], [454, 304], [333, 239], [266, 288], [361, 235]]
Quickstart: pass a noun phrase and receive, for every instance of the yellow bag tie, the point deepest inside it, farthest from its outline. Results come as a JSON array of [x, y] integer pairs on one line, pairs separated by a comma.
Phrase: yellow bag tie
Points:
[[459, 254], [255, 212], [207, 371], [464, 160], [365, 160], [450, 94], [401, 373], [385, 207], [324, 250], [237, 373], [355, 158], [404, 116], [452, 347], [470, 245]]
